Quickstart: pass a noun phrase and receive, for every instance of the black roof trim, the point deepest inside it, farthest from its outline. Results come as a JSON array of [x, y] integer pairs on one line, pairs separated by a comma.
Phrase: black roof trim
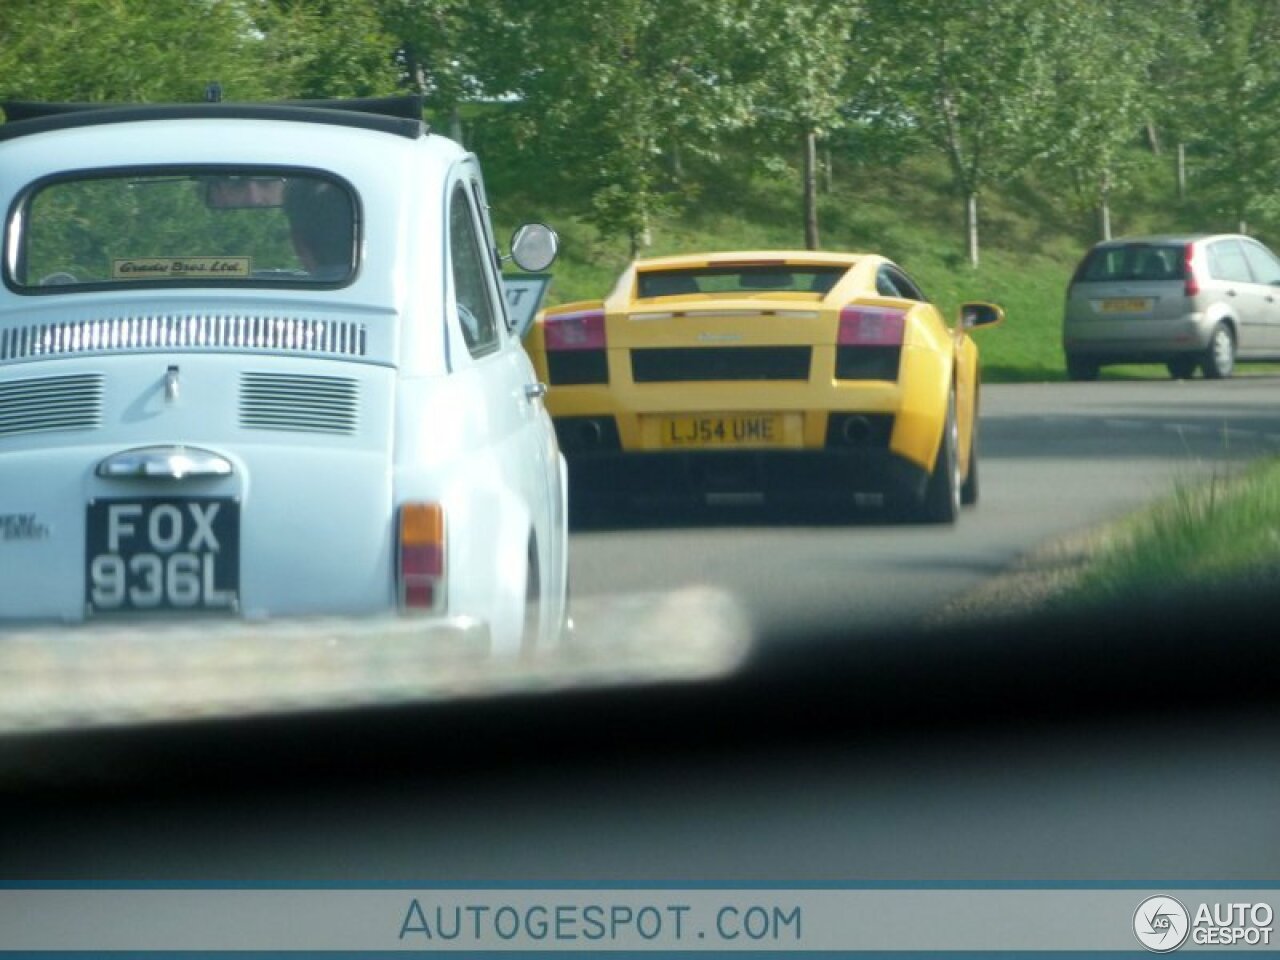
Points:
[[401, 116]]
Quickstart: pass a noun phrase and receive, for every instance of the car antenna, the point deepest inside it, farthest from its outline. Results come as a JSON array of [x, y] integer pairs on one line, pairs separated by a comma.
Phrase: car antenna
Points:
[[213, 92]]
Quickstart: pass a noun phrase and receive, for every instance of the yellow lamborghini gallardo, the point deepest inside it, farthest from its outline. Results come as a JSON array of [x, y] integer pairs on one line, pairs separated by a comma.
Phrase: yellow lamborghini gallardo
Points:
[[790, 375]]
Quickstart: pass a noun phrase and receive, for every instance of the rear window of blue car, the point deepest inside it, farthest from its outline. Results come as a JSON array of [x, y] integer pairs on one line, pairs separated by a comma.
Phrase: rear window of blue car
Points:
[[1133, 262], [183, 226]]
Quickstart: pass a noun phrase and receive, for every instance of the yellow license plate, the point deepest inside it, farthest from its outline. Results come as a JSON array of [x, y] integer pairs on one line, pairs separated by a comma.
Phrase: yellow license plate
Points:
[[734, 430], [1132, 305]]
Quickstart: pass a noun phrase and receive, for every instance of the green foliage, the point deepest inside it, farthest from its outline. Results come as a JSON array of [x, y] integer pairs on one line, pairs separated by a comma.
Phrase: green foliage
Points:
[[315, 49], [1235, 108], [974, 77], [797, 66], [648, 122], [1104, 59], [621, 94], [128, 50]]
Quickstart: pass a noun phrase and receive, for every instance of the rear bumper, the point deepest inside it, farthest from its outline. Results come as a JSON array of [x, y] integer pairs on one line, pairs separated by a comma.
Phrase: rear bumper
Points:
[[1114, 341], [1103, 358], [778, 475], [854, 454]]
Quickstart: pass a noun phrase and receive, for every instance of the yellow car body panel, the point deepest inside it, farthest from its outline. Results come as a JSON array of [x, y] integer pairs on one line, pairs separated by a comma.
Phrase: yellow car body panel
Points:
[[786, 408]]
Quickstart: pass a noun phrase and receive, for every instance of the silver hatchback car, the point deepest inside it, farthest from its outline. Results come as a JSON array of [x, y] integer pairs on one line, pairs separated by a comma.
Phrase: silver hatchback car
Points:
[[1184, 301]]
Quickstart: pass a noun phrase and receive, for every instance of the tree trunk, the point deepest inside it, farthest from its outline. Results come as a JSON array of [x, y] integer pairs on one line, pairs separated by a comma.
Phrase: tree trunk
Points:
[[971, 226], [1153, 138], [1104, 206], [640, 236], [455, 125], [828, 173], [811, 190], [1182, 171]]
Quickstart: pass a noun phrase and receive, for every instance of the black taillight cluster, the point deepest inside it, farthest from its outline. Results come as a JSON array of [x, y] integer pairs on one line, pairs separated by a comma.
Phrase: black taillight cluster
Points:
[[867, 363], [572, 367], [575, 345]]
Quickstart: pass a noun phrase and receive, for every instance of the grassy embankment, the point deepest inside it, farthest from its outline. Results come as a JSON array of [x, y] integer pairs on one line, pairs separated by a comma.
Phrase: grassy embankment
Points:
[[1207, 536], [909, 213]]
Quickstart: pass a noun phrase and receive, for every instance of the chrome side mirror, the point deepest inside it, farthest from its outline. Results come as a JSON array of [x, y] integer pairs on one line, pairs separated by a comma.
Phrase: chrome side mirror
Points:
[[534, 247]]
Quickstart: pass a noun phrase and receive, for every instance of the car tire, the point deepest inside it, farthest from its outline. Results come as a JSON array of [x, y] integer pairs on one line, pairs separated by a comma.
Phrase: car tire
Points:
[[532, 601], [1220, 356], [969, 489], [1080, 369], [941, 501], [1183, 368]]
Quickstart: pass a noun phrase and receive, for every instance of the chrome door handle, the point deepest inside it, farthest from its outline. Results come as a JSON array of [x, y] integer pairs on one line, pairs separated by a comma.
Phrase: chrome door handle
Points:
[[164, 463], [535, 391]]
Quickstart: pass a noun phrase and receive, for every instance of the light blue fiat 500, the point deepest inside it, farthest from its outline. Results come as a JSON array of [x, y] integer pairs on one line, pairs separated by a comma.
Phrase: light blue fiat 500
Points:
[[255, 363]]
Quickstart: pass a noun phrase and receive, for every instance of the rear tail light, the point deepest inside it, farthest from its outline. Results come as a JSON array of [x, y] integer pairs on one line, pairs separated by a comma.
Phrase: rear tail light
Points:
[[1193, 282], [868, 326], [575, 347], [581, 330], [421, 555]]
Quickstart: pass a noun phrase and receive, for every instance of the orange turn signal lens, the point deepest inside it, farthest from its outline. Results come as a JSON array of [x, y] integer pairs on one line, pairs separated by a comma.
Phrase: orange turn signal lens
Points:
[[420, 568], [421, 524]]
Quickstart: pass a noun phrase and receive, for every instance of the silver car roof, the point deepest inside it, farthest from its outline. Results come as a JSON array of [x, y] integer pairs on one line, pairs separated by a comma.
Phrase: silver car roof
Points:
[[1167, 238]]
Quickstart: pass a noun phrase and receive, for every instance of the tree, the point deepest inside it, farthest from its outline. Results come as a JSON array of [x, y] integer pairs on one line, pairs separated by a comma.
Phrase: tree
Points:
[[129, 50], [1103, 96], [445, 50], [974, 77], [612, 91], [798, 64], [317, 49], [1175, 77], [1237, 112]]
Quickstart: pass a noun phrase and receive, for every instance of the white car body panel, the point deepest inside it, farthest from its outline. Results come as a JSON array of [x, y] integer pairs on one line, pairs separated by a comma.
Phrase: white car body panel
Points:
[[418, 418]]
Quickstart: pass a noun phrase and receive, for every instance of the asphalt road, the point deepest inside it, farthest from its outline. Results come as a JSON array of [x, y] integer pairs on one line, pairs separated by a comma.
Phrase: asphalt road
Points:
[[921, 761], [1055, 458]]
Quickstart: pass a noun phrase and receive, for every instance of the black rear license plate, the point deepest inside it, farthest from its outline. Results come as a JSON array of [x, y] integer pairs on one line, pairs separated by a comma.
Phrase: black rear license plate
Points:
[[162, 555]]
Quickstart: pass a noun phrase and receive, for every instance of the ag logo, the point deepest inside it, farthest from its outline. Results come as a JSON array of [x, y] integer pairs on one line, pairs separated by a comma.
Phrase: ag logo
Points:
[[1161, 924]]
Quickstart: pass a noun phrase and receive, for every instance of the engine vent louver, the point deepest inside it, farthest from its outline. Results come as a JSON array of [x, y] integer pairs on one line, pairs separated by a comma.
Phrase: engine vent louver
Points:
[[297, 402], [258, 333], [47, 404]]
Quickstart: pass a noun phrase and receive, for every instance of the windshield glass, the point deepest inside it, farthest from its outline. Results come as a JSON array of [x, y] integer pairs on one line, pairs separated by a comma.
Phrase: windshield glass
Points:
[[1137, 261], [179, 226], [762, 278]]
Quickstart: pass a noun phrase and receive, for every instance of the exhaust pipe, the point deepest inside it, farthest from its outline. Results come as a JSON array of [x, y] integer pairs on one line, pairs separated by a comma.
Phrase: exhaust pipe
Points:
[[588, 435], [855, 431]]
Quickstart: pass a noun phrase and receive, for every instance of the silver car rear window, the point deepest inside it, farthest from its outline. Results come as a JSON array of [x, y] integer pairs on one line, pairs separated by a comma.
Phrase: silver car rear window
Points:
[[182, 226], [1133, 262]]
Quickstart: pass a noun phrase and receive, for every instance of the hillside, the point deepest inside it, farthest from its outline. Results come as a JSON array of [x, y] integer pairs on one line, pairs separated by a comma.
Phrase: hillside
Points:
[[906, 211]]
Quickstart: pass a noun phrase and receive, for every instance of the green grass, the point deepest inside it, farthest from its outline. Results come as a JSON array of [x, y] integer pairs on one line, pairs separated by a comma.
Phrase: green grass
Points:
[[909, 214], [1206, 535]]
